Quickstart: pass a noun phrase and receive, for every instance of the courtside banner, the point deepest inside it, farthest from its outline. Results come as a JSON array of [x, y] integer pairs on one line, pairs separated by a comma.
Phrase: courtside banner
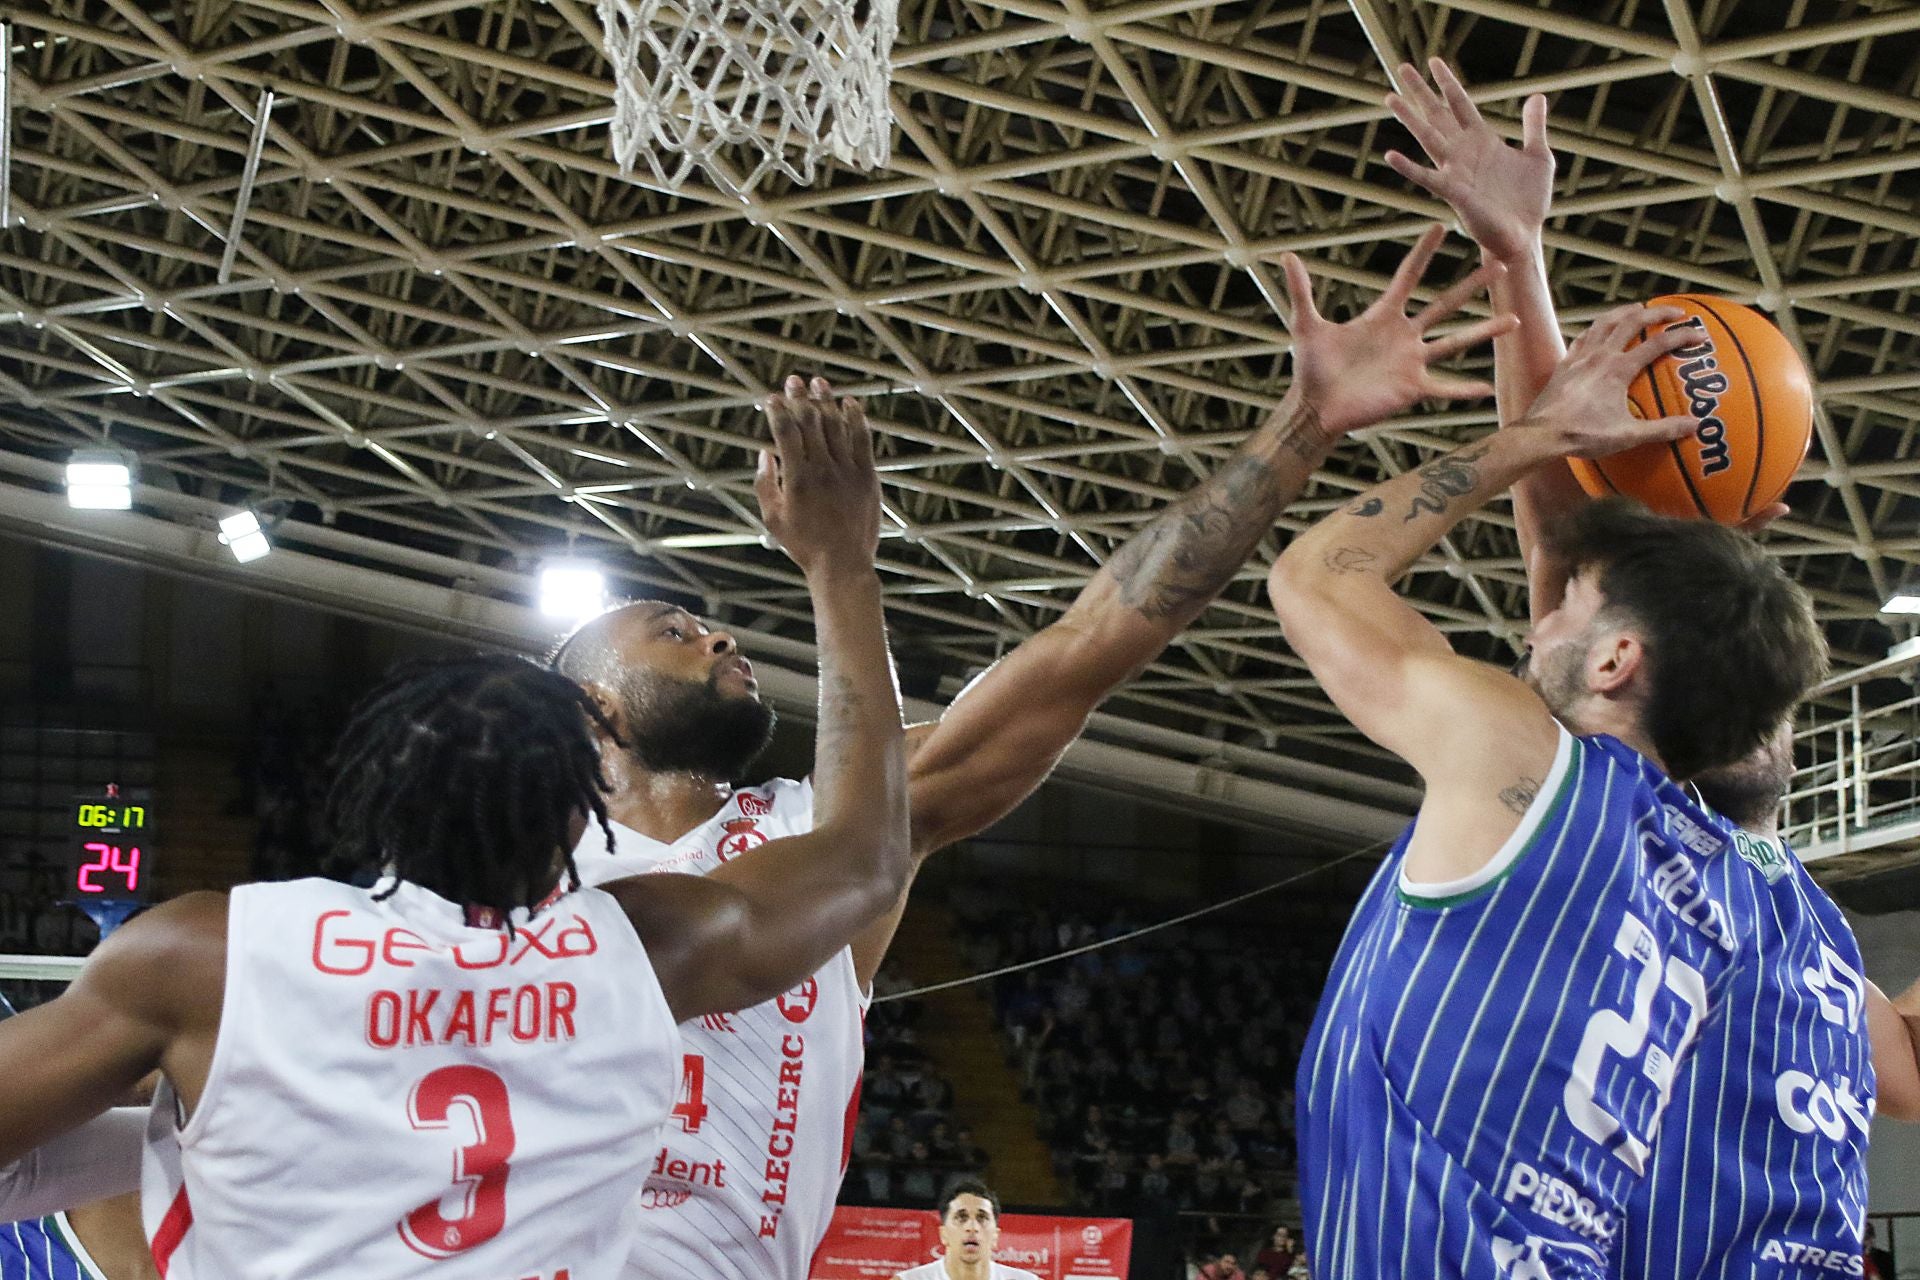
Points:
[[878, 1244]]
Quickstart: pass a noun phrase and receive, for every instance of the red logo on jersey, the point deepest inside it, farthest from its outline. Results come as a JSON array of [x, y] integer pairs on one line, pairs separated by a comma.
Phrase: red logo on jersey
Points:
[[742, 835], [754, 806], [797, 1005]]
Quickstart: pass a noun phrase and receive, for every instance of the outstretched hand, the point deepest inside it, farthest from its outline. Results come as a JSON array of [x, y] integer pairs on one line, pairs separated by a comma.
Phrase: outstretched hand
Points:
[[1585, 404], [1501, 193], [819, 493], [1380, 363]]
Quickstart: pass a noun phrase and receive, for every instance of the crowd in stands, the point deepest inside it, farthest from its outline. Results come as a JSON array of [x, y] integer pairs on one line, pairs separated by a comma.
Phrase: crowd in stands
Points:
[[905, 1143], [1162, 1068]]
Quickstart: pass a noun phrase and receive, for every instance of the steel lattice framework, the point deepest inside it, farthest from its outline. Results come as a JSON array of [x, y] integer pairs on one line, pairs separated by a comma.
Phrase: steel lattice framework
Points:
[[452, 325]]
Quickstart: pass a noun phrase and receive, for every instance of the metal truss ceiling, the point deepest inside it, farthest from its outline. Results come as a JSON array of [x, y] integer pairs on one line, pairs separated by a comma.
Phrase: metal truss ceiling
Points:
[[453, 326]]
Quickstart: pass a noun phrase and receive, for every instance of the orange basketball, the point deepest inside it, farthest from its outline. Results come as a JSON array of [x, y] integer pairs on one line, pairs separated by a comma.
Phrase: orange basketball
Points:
[[1745, 383]]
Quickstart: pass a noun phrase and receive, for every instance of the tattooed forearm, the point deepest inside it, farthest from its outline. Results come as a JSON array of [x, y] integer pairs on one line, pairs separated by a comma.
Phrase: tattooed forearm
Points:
[[1519, 796], [1350, 560], [1443, 480], [1175, 565]]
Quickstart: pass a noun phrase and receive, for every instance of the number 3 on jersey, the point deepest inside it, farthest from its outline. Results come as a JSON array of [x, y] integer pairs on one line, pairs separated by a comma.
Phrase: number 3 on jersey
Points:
[[690, 1112], [479, 1168], [1608, 1032]]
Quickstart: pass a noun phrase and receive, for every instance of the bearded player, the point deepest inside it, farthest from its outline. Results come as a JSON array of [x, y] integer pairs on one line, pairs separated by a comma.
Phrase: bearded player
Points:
[[969, 1233], [1763, 1165], [444, 1073], [745, 1184], [1542, 947]]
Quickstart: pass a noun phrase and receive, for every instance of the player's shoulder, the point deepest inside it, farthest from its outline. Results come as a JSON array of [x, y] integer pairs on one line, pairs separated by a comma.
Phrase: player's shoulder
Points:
[[1004, 1272], [775, 796]]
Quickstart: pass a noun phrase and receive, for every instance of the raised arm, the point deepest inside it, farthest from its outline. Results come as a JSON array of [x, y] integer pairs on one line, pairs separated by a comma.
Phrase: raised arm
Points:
[[768, 920], [1894, 1025], [1007, 730], [1502, 195], [148, 999], [1480, 739]]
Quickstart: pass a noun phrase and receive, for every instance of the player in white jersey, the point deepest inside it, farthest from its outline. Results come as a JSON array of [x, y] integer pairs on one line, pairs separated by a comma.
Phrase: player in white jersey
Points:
[[746, 1182], [446, 1074], [969, 1233]]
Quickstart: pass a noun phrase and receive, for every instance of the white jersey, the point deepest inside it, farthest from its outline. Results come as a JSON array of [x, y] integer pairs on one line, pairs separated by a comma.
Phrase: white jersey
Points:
[[745, 1185], [395, 1093], [937, 1270]]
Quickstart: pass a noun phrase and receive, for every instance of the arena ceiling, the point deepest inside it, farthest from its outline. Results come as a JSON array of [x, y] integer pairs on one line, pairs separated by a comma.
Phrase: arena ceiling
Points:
[[452, 329]]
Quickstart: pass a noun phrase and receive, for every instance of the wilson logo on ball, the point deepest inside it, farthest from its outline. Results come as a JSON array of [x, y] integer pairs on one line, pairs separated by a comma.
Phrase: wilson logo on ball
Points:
[[1701, 379]]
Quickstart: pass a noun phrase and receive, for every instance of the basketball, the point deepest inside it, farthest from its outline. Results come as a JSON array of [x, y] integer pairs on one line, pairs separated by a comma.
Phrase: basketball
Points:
[[1746, 384]]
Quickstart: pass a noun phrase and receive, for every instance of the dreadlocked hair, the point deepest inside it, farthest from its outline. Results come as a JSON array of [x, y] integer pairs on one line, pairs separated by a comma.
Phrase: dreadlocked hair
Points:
[[464, 777]]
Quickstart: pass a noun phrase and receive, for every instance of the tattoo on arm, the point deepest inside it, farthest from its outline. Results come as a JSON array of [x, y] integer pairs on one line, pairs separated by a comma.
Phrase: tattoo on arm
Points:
[[1444, 479], [1350, 560], [1367, 508], [1175, 565], [1519, 796]]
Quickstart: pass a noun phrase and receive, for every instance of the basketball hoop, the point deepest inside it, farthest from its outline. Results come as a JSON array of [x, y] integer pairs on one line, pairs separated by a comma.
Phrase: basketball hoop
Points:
[[772, 84]]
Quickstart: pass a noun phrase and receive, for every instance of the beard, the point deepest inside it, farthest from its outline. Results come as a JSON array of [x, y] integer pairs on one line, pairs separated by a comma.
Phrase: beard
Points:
[[689, 726], [1749, 790], [1556, 674]]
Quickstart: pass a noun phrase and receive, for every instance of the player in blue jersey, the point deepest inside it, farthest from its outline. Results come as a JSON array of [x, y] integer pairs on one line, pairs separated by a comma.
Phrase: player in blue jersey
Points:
[[1485, 1078], [1763, 1170]]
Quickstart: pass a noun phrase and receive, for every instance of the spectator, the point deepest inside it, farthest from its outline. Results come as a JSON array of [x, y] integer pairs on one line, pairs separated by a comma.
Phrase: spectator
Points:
[[1278, 1255], [918, 1183], [1225, 1267]]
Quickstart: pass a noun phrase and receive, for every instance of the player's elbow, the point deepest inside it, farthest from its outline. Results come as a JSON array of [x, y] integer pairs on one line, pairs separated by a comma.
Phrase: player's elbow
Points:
[[1294, 588]]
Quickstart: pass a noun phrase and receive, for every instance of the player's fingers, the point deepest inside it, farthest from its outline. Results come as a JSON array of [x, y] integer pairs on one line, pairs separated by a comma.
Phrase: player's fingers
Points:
[[1474, 335], [1412, 268], [1456, 296], [1299, 293], [1420, 124], [1418, 174], [1455, 93], [1420, 96], [1443, 386], [1639, 431], [1533, 124], [1759, 520], [808, 432], [820, 388], [1662, 342], [859, 434], [785, 431], [766, 483]]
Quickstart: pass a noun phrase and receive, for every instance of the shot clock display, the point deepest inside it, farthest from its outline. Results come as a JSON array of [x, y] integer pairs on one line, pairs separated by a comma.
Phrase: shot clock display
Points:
[[110, 856]]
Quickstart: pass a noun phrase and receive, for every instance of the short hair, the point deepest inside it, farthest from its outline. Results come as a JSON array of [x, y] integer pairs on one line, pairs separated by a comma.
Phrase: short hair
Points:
[[1731, 641], [465, 777], [966, 1186]]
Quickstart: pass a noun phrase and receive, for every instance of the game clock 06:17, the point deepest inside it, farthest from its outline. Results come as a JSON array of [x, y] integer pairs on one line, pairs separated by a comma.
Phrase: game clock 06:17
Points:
[[112, 815]]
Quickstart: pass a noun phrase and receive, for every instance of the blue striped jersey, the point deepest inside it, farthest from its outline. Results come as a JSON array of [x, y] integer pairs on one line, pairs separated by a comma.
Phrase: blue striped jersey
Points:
[[1484, 1080], [44, 1249], [1763, 1167]]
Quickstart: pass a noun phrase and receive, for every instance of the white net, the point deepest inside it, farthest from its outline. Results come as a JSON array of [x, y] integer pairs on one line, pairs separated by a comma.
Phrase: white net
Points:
[[745, 88]]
